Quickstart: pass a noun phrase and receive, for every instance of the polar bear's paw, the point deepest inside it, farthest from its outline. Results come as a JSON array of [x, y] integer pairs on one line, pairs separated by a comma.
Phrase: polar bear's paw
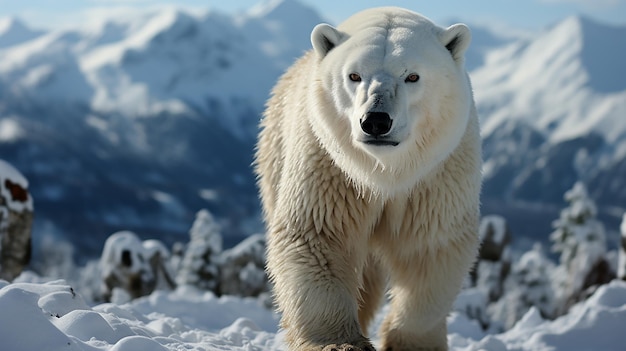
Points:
[[363, 346]]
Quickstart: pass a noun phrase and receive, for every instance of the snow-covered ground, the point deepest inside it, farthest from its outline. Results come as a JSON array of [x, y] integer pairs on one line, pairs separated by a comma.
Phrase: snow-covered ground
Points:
[[53, 316]]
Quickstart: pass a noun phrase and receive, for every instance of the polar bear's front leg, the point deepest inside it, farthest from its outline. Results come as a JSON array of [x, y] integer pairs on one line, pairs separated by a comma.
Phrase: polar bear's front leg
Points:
[[423, 289], [316, 284]]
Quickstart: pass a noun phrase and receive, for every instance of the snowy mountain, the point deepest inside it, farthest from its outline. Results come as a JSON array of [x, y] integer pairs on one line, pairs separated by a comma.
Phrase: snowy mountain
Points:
[[13, 32], [278, 27], [566, 82], [137, 122], [486, 38], [552, 111], [166, 61]]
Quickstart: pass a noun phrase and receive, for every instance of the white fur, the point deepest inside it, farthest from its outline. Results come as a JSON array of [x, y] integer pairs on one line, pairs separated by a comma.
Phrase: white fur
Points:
[[379, 52], [344, 216]]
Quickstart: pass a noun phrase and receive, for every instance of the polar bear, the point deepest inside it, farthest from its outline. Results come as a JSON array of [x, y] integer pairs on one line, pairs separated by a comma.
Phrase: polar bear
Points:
[[368, 165]]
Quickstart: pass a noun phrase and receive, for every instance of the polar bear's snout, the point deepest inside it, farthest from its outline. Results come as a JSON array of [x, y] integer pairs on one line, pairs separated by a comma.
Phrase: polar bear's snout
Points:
[[376, 123], [376, 128]]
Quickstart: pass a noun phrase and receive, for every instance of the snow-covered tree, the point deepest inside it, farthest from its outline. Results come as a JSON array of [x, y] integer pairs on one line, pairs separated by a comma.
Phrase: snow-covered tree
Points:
[[200, 265], [580, 239], [528, 285], [243, 268], [123, 266], [473, 303], [178, 253], [131, 268], [621, 268], [158, 257], [494, 262]]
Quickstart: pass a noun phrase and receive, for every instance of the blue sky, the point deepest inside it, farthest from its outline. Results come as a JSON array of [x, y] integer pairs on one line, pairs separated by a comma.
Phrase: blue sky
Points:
[[524, 14]]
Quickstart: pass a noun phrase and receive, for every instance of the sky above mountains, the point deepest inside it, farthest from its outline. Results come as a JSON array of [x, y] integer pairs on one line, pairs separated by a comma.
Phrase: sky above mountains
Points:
[[527, 14]]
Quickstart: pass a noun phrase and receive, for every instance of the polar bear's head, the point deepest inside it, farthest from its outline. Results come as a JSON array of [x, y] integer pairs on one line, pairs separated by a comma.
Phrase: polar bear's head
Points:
[[395, 96]]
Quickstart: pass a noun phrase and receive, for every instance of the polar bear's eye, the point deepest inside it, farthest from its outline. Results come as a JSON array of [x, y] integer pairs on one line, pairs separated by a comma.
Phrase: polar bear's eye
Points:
[[355, 77], [412, 78]]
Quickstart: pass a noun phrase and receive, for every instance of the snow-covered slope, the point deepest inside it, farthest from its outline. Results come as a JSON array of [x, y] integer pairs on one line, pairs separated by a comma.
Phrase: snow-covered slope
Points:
[[568, 81], [277, 27], [44, 69], [167, 60], [53, 316], [552, 110], [14, 32], [134, 121], [486, 37], [176, 62]]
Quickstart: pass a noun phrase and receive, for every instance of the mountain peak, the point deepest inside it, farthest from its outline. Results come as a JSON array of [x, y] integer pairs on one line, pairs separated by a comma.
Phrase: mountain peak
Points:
[[280, 10], [568, 80], [577, 22], [266, 7], [605, 71], [13, 31], [9, 23]]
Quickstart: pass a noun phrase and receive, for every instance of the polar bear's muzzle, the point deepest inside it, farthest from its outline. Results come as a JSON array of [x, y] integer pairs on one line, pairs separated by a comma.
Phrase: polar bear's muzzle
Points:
[[376, 126]]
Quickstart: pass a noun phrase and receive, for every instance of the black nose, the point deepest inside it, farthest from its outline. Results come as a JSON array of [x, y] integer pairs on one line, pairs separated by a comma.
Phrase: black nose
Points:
[[376, 123]]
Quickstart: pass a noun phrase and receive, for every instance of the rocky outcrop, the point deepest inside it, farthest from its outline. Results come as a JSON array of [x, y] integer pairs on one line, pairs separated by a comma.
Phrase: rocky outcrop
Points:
[[16, 219]]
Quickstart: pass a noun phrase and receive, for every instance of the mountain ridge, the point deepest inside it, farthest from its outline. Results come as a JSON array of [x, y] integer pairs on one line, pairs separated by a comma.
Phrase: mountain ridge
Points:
[[133, 123], [548, 76], [13, 32]]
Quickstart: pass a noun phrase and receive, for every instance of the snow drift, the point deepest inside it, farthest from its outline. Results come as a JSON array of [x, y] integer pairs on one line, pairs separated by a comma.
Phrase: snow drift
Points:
[[52, 316]]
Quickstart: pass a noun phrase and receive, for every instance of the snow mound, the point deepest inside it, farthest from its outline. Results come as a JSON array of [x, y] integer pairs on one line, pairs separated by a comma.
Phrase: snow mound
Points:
[[595, 324], [52, 316]]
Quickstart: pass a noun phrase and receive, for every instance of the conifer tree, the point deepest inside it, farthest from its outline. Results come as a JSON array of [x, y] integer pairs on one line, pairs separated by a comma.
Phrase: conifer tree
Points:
[[528, 285], [200, 263], [580, 240], [494, 262]]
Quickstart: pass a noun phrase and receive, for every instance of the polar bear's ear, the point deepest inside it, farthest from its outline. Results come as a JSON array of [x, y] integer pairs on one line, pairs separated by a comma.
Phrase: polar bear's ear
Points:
[[324, 38], [456, 39]]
